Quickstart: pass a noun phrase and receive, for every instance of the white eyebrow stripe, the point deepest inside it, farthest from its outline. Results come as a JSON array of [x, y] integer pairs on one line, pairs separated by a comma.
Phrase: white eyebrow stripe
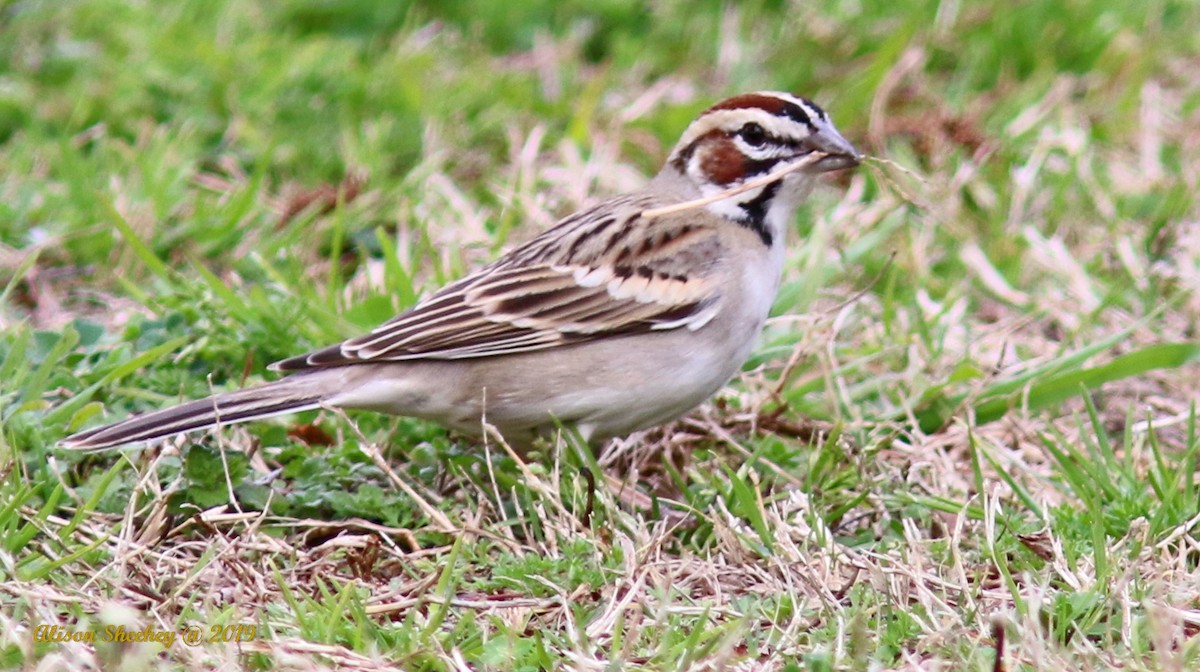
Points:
[[809, 108], [731, 120]]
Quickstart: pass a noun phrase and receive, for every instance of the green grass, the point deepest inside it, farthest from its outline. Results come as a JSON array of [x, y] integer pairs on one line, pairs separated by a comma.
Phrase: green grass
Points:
[[974, 412]]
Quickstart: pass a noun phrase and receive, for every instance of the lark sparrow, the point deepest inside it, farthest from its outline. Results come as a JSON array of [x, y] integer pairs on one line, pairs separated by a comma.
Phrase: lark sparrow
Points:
[[622, 316]]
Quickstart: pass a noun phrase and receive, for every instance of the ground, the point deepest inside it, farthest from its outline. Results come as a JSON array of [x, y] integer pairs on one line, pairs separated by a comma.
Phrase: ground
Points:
[[967, 440]]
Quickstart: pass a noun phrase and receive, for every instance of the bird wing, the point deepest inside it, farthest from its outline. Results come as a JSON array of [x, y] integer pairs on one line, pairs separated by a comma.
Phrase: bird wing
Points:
[[571, 284]]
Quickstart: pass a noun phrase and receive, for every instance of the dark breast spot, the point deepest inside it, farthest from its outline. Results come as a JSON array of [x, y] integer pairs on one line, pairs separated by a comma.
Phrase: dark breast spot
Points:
[[756, 213]]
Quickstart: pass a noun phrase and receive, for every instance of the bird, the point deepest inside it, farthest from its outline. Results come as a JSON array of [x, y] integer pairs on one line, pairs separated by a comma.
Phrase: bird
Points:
[[622, 316]]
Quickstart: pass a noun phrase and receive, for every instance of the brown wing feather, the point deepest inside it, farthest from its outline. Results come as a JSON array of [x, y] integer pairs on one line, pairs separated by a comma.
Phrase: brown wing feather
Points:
[[526, 302]]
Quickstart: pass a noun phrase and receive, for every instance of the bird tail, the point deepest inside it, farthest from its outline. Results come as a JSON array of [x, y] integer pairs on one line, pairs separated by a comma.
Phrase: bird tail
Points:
[[296, 393]]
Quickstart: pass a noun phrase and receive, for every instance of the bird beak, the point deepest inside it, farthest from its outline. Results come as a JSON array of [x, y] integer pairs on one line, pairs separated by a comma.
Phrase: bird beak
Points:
[[839, 152]]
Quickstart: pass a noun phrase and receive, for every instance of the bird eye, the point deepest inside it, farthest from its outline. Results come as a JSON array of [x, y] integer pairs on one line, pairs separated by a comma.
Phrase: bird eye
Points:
[[753, 134]]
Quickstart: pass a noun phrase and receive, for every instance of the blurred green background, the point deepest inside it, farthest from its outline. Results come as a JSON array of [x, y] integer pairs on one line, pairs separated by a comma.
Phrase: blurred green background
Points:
[[966, 341]]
